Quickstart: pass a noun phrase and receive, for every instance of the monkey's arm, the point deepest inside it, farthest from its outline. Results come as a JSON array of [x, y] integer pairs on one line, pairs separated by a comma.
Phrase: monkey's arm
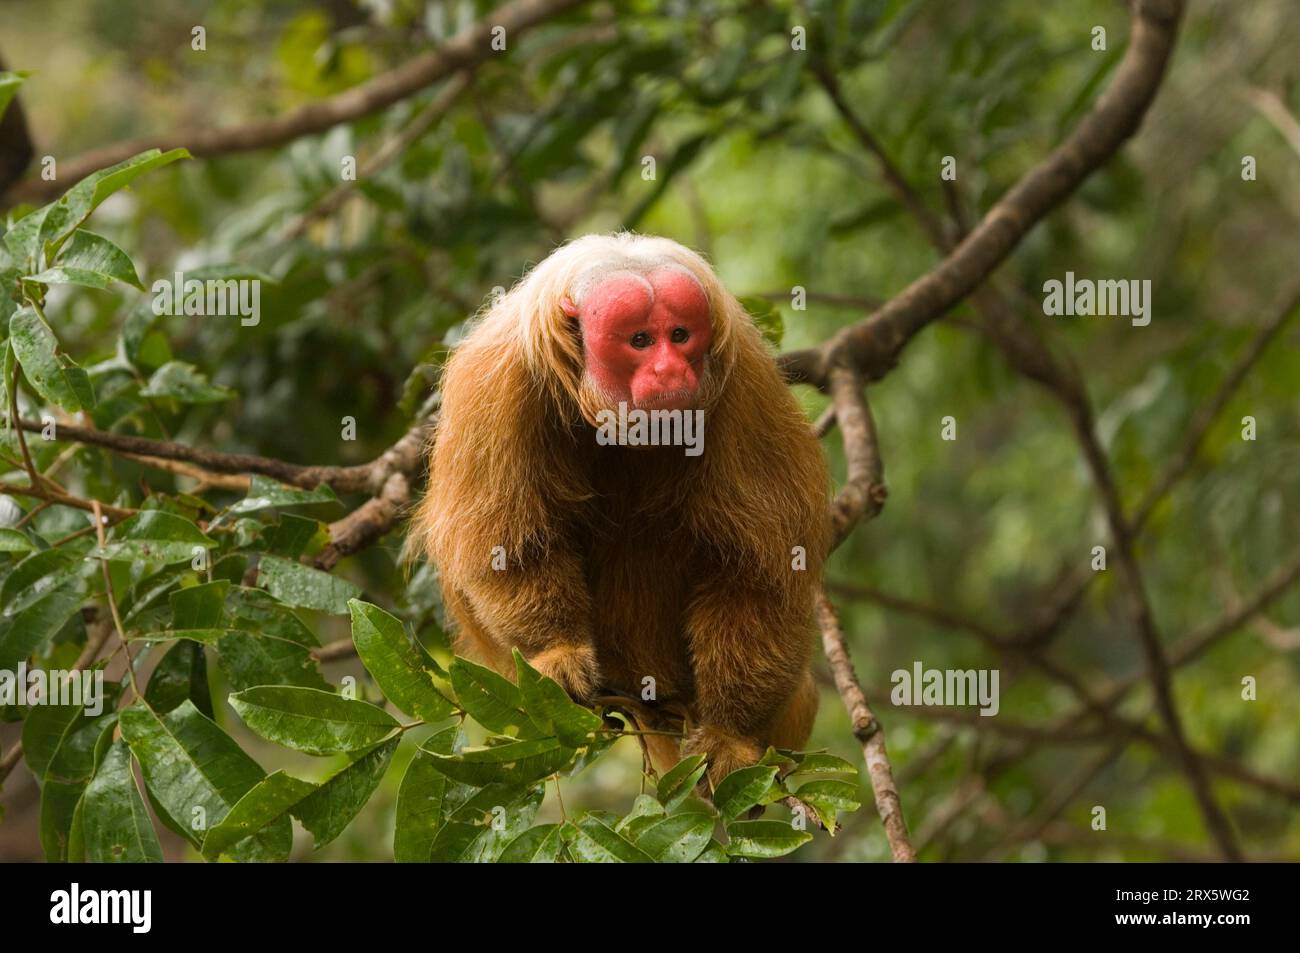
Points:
[[750, 648], [540, 604], [497, 516]]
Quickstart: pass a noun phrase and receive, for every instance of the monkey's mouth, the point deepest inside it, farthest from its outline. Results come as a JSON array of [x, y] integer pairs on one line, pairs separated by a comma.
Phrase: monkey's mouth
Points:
[[668, 400]]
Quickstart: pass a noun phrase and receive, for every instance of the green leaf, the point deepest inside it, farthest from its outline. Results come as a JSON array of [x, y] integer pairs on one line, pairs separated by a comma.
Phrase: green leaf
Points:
[[399, 665], [516, 763], [15, 541], [68, 772], [819, 763], [678, 784], [491, 700], [646, 809], [250, 660], [265, 493], [591, 841], [537, 845], [9, 83], [185, 383], [298, 585], [273, 648], [90, 260], [196, 773], [551, 709], [270, 799], [782, 761], [743, 789], [41, 593], [59, 745], [310, 720], [829, 796], [181, 675], [421, 799], [333, 805], [155, 536], [116, 828], [763, 839], [43, 732], [34, 578], [23, 239], [54, 375], [676, 839], [484, 821], [65, 215], [257, 611], [200, 607], [291, 536], [714, 853]]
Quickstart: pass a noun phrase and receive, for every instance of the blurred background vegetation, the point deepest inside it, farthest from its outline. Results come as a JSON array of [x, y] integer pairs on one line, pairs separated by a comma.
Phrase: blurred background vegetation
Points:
[[755, 168]]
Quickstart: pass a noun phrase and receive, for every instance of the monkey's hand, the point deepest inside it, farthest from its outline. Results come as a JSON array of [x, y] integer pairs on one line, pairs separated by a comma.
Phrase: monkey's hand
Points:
[[725, 751], [573, 666]]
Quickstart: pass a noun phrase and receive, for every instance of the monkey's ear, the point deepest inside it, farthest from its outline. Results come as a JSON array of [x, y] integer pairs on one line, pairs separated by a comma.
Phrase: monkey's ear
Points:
[[568, 307]]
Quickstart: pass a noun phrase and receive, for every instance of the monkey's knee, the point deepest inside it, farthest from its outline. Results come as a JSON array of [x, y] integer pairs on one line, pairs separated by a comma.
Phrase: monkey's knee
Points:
[[794, 722], [471, 640]]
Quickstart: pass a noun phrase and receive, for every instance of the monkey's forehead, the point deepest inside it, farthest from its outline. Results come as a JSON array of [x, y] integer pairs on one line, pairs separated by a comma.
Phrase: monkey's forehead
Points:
[[623, 299], [656, 277]]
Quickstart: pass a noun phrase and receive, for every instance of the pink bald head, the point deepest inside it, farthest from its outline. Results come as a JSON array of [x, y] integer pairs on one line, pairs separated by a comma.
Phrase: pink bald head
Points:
[[645, 337]]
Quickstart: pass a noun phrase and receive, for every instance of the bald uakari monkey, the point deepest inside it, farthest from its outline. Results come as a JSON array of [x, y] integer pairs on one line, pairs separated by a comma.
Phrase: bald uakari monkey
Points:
[[608, 565]]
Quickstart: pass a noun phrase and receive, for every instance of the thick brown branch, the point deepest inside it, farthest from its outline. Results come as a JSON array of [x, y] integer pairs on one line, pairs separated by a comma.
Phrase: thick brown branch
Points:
[[873, 345], [367, 523], [863, 493]]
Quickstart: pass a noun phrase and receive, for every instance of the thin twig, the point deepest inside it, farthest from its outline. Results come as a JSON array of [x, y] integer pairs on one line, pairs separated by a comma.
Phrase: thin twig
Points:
[[866, 729]]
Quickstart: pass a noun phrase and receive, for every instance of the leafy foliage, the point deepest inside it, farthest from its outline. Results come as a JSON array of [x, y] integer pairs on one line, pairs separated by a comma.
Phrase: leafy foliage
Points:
[[456, 802], [217, 587]]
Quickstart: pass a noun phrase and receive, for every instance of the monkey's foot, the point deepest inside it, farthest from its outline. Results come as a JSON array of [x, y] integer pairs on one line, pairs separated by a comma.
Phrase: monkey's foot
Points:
[[726, 752], [573, 666]]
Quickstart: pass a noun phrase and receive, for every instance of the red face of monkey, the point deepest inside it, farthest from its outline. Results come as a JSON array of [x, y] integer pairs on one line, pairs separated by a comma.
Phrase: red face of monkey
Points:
[[645, 338]]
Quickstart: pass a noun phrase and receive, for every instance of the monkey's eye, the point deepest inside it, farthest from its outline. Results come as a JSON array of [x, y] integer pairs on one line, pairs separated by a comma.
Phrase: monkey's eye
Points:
[[679, 335], [640, 340]]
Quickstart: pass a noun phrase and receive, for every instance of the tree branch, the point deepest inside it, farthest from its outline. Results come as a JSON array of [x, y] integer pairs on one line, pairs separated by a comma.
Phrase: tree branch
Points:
[[872, 346], [863, 493], [464, 50], [866, 729], [361, 478]]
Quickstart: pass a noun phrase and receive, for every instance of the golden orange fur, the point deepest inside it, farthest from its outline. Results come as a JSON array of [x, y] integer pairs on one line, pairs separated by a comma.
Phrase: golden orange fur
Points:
[[623, 563]]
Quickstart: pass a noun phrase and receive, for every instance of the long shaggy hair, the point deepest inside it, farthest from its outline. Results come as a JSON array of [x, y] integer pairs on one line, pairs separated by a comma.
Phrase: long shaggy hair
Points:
[[515, 464]]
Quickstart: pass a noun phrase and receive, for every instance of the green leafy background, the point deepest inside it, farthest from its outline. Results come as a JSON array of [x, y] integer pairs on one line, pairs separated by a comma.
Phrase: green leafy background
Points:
[[424, 756]]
